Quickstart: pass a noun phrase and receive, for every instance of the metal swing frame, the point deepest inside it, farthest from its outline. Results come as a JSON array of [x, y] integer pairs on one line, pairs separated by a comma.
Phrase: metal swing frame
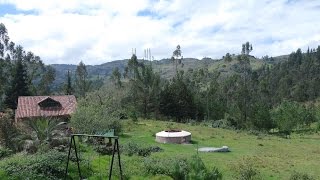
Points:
[[115, 148]]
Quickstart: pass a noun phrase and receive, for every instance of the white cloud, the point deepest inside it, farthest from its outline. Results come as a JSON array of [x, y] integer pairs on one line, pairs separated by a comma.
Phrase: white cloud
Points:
[[98, 31]]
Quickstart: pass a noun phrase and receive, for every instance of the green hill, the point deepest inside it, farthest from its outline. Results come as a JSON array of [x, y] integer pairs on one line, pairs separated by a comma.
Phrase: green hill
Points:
[[164, 67]]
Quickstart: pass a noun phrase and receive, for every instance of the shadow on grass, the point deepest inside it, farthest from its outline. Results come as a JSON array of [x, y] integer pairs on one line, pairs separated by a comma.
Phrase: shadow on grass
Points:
[[125, 136], [286, 134], [305, 131], [194, 142]]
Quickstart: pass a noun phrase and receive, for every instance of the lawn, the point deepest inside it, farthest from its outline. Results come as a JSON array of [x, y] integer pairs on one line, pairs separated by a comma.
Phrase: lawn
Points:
[[275, 157]]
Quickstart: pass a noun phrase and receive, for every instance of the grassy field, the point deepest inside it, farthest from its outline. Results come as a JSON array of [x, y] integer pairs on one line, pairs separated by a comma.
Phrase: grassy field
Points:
[[275, 157]]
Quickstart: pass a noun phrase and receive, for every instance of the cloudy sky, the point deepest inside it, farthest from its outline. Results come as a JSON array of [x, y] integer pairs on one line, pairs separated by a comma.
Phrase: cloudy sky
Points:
[[98, 31]]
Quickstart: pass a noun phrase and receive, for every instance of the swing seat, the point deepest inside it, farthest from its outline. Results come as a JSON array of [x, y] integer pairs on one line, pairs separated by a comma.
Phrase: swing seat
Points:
[[109, 133]]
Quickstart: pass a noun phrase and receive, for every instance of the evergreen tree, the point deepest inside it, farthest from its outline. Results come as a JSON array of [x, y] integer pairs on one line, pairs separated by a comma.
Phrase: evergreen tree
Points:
[[82, 82], [68, 89], [176, 100], [116, 77], [46, 80], [18, 86]]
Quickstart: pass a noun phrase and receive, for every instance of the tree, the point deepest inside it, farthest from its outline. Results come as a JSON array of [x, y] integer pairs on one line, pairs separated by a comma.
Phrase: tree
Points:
[[177, 57], [82, 82], [18, 86], [92, 117], [228, 58], [68, 89], [243, 50], [176, 100], [116, 77], [46, 80], [287, 116], [246, 48], [260, 116], [132, 67], [143, 84]]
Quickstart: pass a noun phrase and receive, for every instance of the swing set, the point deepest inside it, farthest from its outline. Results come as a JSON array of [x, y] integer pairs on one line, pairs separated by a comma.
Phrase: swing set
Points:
[[110, 135]]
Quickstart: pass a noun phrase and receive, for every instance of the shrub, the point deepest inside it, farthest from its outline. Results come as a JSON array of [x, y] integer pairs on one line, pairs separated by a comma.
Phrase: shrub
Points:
[[133, 148], [8, 131], [40, 166], [103, 149], [133, 116], [198, 170], [49, 165], [181, 169], [4, 152], [289, 115], [223, 123], [175, 167], [92, 118], [246, 170], [300, 176]]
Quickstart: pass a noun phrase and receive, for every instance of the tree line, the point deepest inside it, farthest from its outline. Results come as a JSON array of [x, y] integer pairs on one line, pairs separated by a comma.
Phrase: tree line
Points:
[[23, 74], [246, 99]]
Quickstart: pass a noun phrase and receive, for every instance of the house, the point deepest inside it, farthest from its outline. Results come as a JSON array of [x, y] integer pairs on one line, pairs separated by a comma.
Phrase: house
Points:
[[32, 107]]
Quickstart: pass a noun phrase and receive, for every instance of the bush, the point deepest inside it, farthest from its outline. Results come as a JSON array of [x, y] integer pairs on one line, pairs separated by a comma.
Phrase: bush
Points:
[[41, 166], [223, 123], [246, 170], [198, 170], [4, 152], [300, 176], [289, 115], [175, 167], [93, 118], [133, 148], [8, 131], [49, 165], [181, 168], [103, 149], [133, 116]]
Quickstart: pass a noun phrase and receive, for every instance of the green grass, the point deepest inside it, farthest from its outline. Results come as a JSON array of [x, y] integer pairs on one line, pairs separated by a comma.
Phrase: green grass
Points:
[[275, 157]]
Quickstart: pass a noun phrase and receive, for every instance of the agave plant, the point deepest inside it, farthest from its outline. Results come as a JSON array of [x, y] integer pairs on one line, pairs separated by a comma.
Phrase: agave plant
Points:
[[44, 128]]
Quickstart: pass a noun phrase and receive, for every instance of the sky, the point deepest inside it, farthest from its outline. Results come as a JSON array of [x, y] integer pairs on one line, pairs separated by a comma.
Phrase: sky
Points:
[[99, 31]]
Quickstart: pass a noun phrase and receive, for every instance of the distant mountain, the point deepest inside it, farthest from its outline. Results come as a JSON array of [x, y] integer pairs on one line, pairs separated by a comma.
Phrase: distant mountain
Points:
[[94, 71], [164, 67]]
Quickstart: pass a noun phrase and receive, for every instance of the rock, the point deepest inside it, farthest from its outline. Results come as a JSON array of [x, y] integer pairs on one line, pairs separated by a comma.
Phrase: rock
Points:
[[55, 142], [213, 149], [30, 146]]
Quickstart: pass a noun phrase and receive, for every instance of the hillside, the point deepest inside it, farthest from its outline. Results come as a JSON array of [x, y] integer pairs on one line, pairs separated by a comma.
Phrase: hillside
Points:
[[164, 67]]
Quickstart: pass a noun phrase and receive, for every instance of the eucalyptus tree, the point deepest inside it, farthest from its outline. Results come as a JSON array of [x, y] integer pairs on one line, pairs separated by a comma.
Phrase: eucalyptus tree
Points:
[[81, 79], [177, 57], [116, 77]]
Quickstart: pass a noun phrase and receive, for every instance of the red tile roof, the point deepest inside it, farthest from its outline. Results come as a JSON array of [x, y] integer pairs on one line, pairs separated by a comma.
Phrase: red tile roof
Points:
[[29, 107]]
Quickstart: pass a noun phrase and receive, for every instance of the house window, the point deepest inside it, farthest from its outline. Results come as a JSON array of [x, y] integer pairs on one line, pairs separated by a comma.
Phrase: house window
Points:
[[49, 103]]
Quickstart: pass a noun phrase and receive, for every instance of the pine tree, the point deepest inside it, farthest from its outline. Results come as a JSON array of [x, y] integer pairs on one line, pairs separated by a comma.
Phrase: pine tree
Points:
[[68, 89], [46, 80], [18, 86]]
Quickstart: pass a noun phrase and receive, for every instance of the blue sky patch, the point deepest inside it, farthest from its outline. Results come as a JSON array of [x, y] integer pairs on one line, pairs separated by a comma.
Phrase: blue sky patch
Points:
[[149, 13], [11, 9]]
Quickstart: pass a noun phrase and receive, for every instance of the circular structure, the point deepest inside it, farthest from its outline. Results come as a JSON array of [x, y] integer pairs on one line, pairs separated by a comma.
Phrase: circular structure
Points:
[[173, 136]]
